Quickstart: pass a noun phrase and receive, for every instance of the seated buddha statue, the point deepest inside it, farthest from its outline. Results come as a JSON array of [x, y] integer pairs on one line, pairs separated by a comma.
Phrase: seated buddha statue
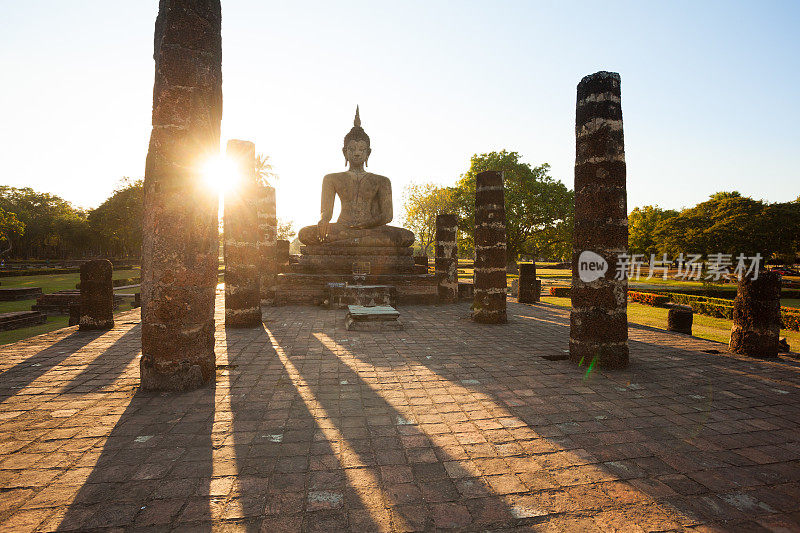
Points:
[[366, 201]]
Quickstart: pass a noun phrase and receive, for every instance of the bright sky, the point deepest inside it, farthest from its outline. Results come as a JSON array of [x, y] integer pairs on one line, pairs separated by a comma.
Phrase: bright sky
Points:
[[709, 91]]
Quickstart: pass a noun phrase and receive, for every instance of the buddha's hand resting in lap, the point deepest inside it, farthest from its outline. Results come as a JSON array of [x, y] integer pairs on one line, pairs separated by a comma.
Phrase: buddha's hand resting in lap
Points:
[[323, 226]]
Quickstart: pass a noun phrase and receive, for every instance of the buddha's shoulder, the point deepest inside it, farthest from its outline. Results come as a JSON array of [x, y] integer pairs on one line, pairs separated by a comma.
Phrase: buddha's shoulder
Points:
[[379, 178], [335, 176]]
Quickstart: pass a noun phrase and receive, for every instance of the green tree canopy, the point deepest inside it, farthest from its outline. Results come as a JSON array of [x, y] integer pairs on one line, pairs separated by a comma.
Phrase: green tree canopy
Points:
[[731, 223], [117, 222], [539, 209], [642, 224], [53, 227], [422, 203]]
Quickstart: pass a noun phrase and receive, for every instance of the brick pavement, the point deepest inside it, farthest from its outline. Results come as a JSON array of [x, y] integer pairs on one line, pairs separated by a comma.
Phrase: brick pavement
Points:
[[446, 425]]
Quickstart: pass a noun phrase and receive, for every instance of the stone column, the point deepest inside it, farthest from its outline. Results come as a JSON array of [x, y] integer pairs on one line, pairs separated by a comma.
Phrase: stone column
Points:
[[529, 287], [447, 257], [599, 320], [180, 234], [242, 296], [97, 296], [282, 253], [267, 242], [757, 316], [489, 304]]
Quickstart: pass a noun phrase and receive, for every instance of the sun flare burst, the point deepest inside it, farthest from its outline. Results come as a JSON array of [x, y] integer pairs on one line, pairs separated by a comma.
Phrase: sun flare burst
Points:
[[220, 174]]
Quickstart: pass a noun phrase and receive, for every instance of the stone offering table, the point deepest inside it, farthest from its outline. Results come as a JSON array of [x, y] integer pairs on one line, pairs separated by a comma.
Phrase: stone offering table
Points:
[[376, 318]]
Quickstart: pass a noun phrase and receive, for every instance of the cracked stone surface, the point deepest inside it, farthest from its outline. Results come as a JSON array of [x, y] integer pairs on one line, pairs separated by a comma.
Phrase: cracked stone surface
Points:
[[448, 424]]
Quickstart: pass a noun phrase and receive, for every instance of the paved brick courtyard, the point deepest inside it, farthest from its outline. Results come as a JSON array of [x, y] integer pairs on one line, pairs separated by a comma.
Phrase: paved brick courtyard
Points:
[[446, 425]]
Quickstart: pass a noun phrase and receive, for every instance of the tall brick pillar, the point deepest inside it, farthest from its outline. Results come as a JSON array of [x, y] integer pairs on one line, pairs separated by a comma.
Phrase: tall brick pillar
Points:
[[599, 319], [447, 257], [97, 295], [529, 287], [242, 297], [180, 236], [489, 304], [757, 316], [267, 243]]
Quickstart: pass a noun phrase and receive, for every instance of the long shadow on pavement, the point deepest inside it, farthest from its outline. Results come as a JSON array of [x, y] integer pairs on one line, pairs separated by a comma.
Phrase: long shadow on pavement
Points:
[[26, 372]]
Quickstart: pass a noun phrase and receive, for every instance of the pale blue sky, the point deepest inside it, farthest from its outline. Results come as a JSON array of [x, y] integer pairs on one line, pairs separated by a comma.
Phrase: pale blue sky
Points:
[[709, 91]]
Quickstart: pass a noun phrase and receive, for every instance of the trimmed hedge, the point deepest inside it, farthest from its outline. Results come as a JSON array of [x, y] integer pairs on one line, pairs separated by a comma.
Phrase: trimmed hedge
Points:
[[648, 298], [722, 308], [119, 282], [716, 307], [562, 292]]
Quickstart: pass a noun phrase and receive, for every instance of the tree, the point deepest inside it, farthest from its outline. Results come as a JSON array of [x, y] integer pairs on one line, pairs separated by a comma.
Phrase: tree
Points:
[[10, 226], [733, 224], [539, 209], [642, 224], [285, 229], [423, 202], [53, 227], [117, 223], [264, 173]]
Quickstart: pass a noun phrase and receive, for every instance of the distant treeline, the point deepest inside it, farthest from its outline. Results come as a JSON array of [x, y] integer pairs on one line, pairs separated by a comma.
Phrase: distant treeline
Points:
[[726, 223], [44, 226]]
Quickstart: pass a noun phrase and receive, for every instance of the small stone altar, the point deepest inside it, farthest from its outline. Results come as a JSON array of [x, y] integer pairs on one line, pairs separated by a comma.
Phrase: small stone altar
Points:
[[360, 248]]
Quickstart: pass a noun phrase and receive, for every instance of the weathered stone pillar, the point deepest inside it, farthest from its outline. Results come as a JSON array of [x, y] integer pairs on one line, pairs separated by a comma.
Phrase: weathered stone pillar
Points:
[[242, 296], [489, 304], [282, 249], [447, 257], [599, 320], [97, 295], [529, 287], [180, 235], [267, 242], [757, 316]]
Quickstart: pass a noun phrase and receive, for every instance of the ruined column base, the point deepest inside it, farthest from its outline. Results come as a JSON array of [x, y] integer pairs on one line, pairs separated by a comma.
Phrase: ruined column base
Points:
[[489, 309], [243, 318], [761, 344], [179, 377], [610, 355]]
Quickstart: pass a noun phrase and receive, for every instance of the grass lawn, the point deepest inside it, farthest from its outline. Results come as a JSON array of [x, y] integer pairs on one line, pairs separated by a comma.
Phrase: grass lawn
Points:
[[49, 283], [704, 327]]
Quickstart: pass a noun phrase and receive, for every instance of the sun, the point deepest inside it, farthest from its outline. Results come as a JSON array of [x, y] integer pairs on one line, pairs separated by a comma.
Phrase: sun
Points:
[[220, 174]]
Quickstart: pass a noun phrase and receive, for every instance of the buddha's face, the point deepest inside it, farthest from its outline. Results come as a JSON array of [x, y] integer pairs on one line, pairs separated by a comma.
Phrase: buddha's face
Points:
[[357, 152]]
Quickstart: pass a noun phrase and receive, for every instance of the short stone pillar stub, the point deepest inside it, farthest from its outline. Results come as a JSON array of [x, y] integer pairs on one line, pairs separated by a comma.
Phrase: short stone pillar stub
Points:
[[267, 242], [446, 261], [757, 316], [282, 254], [180, 237], [241, 231], [529, 288], [97, 295], [489, 303], [679, 319], [598, 321]]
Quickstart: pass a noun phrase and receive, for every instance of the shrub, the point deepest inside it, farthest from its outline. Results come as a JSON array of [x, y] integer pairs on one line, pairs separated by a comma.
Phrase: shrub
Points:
[[562, 292], [790, 318], [648, 298]]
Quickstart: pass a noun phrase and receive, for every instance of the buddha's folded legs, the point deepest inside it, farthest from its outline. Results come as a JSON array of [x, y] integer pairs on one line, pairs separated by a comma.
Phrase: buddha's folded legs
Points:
[[341, 235]]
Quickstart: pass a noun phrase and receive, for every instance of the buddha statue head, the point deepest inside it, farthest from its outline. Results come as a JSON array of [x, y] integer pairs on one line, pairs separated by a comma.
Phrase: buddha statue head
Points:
[[356, 148]]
